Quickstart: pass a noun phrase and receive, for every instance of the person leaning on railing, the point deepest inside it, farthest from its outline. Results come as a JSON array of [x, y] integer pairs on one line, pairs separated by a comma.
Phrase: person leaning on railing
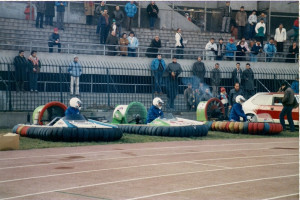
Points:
[[124, 45], [270, 50], [293, 53], [255, 50], [112, 41], [211, 49], [230, 49], [133, 44]]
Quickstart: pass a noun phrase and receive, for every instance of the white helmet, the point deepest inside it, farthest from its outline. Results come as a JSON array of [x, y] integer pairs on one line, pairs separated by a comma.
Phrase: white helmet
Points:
[[240, 99], [75, 103], [158, 102]]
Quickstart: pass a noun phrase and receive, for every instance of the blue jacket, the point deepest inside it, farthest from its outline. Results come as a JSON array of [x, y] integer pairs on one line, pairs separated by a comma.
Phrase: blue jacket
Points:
[[75, 69], [154, 113], [53, 37], [270, 49], [295, 86], [237, 112], [71, 111], [155, 64], [130, 9], [133, 42], [60, 8], [230, 48]]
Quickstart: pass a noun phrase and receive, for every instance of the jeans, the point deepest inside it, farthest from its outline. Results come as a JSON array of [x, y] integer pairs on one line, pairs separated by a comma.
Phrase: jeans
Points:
[[39, 18], [119, 32], [269, 58], [157, 80], [89, 20], [210, 55], [171, 103], [215, 90], [225, 24], [103, 33], [287, 110], [152, 22], [252, 31], [131, 52], [129, 23], [51, 44], [49, 20], [74, 80], [60, 20], [241, 32], [33, 77], [253, 57], [98, 26], [179, 52]]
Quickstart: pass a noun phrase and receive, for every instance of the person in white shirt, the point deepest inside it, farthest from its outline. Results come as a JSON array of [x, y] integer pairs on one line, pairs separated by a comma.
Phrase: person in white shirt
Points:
[[260, 30], [179, 44], [280, 37], [252, 21], [211, 49]]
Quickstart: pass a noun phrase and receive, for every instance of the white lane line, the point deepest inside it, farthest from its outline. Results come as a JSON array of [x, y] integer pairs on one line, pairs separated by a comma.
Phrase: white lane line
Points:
[[156, 148], [196, 163], [216, 185], [148, 165], [128, 157], [279, 197], [144, 178]]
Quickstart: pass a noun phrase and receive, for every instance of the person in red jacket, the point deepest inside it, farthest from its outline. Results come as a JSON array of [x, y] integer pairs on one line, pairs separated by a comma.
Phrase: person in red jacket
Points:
[[296, 29], [27, 12]]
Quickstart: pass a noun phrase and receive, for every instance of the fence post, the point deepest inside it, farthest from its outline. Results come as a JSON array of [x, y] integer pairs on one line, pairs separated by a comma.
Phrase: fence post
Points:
[[9, 89], [68, 48], [60, 84], [107, 87], [171, 53], [138, 53], [104, 49], [30, 44]]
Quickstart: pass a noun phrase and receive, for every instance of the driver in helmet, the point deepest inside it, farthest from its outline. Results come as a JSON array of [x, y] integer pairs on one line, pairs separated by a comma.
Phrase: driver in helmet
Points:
[[155, 110], [74, 108], [237, 110]]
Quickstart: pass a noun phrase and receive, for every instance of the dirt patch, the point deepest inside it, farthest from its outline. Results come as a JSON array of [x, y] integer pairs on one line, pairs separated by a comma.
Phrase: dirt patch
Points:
[[72, 157], [287, 148], [64, 168], [129, 153]]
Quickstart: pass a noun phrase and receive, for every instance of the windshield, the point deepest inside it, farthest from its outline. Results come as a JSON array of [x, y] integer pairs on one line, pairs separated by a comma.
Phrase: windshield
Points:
[[75, 117], [169, 116]]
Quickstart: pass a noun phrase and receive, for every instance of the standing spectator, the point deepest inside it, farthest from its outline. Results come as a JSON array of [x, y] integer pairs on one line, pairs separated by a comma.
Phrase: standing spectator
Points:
[[89, 7], [158, 67], [255, 50], [221, 48], [288, 101], [265, 18], [237, 74], [252, 20], [234, 29], [49, 12], [104, 22], [40, 10], [21, 69], [296, 29], [241, 20], [198, 72], [224, 100], [119, 17], [215, 78], [206, 95], [179, 44], [260, 30], [173, 71], [241, 51], [226, 12], [236, 91], [130, 10], [293, 51], [34, 70], [152, 11], [124, 45], [54, 40], [133, 44], [270, 50], [211, 49], [280, 37], [248, 78], [154, 46], [27, 12], [230, 49], [75, 73], [60, 10], [295, 85], [199, 91], [99, 11], [112, 41], [189, 97]]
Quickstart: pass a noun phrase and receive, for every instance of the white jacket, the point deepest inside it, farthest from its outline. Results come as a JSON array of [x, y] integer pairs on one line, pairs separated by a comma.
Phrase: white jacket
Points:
[[177, 39], [209, 46], [258, 25], [252, 19], [280, 37]]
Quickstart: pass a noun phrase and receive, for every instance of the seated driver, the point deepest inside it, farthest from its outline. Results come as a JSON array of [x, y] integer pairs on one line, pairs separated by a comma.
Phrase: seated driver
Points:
[[237, 110], [74, 108], [155, 110]]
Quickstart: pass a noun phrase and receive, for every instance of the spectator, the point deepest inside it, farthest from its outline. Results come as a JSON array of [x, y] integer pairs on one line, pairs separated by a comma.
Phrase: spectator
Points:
[[89, 7], [264, 17], [224, 100], [112, 41], [260, 30], [173, 71], [130, 10], [236, 91], [34, 70], [119, 17], [295, 85], [40, 11], [179, 44], [221, 48], [198, 93], [104, 28], [206, 96], [252, 20], [198, 72], [124, 45], [241, 20], [293, 51], [234, 29], [226, 12], [154, 46], [241, 51], [288, 102], [49, 12], [248, 78], [230, 49], [189, 97], [133, 44], [211, 49], [270, 50], [99, 12], [280, 37], [255, 50], [27, 12], [75, 73], [215, 78], [237, 74], [54, 40], [152, 11], [113, 27], [21, 69], [158, 66], [296, 29], [245, 43], [60, 10]]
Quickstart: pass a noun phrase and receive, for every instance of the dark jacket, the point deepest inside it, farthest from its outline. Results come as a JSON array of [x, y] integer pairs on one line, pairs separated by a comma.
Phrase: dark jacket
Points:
[[112, 40], [152, 10], [288, 98], [31, 66], [199, 70], [255, 49], [221, 48], [154, 113], [206, 97], [119, 17], [233, 94], [50, 11], [21, 67], [248, 78], [59, 7], [226, 11], [153, 49], [188, 92], [102, 20], [239, 54], [99, 9], [71, 111], [53, 37], [40, 6], [237, 112], [236, 74], [215, 77], [291, 57], [241, 18], [172, 82]]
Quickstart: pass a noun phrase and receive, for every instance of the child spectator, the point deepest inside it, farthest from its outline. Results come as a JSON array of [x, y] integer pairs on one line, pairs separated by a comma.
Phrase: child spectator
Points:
[[27, 12], [133, 44], [54, 40], [293, 51], [224, 100], [124, 45], [34, 70], [158, 67], [75, 72], [189, 97], [230, 49]]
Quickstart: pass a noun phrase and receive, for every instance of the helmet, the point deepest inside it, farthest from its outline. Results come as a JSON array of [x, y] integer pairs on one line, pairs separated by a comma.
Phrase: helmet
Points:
[[157, 101], [240, 99], [75, 103]]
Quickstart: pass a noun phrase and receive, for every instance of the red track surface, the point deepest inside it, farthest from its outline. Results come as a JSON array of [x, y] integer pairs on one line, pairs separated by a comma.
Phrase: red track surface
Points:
[[220, 169]]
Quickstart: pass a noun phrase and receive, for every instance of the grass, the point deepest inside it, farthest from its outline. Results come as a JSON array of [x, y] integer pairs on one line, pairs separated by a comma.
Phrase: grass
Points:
[[29, 143]]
